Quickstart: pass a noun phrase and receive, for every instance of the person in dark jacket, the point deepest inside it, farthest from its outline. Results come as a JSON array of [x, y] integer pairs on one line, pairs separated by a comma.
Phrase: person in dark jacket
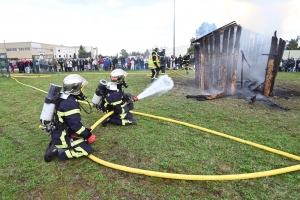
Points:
[[162, 59], [291, 64], [70, 139], [298, 65]]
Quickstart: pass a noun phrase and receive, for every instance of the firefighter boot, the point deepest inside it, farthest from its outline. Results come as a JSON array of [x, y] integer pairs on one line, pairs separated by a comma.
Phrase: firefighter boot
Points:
[[51, 152]]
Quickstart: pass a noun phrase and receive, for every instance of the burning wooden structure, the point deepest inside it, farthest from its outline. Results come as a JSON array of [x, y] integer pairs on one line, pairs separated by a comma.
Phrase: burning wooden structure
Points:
[[223, 56]]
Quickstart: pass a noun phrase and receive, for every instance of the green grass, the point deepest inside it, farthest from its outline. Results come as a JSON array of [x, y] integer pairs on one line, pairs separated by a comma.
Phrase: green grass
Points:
[[152, 145]]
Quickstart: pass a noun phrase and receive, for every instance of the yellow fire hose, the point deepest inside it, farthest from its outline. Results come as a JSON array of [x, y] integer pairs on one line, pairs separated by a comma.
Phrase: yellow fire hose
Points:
[[194, 177]]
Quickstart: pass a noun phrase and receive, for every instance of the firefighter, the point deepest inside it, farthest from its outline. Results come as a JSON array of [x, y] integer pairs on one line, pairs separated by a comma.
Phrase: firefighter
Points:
[[154, 63], [118, 101], [69, 139], [186, 62], [162, 55]]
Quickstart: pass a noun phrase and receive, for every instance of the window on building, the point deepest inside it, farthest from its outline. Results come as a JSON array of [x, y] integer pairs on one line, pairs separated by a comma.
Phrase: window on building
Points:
[[11, 49], [24, 49], [58, 50]]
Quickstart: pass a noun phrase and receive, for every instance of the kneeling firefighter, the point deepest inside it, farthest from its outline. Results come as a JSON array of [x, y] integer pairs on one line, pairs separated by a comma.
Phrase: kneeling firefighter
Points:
[[109, 96], [69, 138]]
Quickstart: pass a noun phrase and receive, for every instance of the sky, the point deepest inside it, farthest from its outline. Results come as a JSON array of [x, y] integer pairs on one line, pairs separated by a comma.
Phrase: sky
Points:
[[137, 25]]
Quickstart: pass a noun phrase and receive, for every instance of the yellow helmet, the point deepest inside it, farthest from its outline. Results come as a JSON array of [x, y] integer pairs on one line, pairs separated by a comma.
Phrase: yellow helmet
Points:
[[155, 47]]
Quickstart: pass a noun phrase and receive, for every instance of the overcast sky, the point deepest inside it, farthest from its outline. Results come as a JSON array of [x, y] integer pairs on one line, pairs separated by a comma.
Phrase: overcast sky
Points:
[[135, 25]]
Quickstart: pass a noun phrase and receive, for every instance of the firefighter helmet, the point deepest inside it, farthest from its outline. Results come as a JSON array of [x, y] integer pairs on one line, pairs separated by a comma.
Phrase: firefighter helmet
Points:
[[155, 48], [118, 76], [74, 84]]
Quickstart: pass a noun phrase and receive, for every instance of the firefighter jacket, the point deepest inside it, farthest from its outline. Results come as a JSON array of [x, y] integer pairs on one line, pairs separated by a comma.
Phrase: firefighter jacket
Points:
[[154, 58], [114, 101], [186, 60], [68, 122], [162, 58]]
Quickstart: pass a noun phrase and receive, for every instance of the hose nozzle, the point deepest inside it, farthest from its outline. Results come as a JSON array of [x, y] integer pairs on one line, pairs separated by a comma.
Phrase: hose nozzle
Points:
[[135, 98]]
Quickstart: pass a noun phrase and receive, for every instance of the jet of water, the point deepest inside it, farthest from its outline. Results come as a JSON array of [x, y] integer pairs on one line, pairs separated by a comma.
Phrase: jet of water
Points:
[[163, 84]]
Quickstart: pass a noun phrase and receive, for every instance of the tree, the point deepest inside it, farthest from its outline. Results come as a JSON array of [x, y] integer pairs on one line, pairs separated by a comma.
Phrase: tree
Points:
[[191, 50], [136, 53], [82, 53], [204, 29], [124, 53], [147, 53], [74, 55], [293, 44]]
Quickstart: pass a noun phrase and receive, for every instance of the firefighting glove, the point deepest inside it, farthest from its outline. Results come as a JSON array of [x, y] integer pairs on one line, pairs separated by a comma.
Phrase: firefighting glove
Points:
[[91, 139]]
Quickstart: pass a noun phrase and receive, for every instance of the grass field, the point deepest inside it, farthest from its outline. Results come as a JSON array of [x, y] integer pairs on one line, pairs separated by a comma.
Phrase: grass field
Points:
[[152, 144]]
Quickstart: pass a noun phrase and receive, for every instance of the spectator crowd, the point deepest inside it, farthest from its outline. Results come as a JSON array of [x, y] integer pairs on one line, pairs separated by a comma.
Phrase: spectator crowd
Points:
[[89, 64], [290, 65]]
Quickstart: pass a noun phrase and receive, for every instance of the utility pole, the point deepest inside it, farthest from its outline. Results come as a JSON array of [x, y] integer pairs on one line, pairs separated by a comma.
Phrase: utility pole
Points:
[[174, 31]]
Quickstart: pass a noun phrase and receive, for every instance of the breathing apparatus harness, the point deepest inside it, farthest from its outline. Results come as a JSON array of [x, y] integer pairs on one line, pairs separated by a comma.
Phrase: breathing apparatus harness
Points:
[[102, 91], [49, 117]]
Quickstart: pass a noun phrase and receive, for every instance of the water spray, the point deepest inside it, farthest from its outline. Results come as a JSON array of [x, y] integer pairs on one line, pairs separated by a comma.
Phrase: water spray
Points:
[[162, 85]]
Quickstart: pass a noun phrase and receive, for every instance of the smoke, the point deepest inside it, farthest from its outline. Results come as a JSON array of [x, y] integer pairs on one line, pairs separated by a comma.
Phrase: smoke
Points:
[[264, 17]]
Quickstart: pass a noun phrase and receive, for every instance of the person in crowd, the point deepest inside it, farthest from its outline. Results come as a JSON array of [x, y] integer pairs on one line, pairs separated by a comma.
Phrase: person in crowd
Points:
[[70, 66], [70, 139], [172, 62], [146, 61], [192, 61], [137, 63], [55, 63], [50, 64], [94, 65], [128, 63], [61, 63], [86, 65], [154, 63], [30, 63], [114, 63], [27, 68], [118, 101], [176, 62], [122, 59], [106, 64], [81, 64], [142, 64], [74, 65], [132, 62], [179, 61], [298, 65], [65, 65], [101, 62], [291, 64], [11, 68], [284, 65], [58, 66]]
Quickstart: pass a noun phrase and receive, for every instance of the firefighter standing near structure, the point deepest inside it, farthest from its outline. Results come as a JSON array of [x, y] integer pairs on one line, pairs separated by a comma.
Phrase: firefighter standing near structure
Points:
[[162, 59], [154, 63], [69, 138], [186, 62]]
